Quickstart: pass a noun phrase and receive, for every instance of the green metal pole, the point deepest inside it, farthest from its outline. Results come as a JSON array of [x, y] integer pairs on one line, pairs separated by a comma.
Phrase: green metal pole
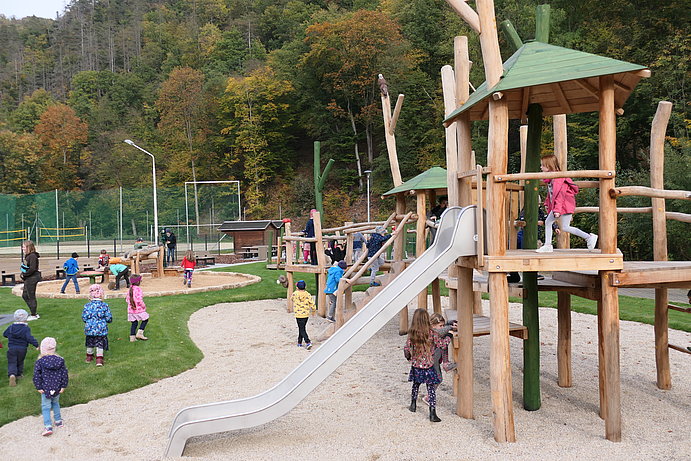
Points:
[[542, 23], [317, 193], [511, 34], [531, 318]]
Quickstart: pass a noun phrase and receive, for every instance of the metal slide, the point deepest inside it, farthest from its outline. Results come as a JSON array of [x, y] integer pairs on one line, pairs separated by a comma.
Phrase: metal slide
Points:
[[455, 237]]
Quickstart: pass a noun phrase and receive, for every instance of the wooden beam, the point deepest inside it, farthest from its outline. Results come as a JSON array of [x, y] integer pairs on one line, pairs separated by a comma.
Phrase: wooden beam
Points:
[[556, 174], [590, 89], [642, 191], [474, 172], [622, 279], [467, 13], [645, 73], [559, 260], [561, 98], [621, 86], [390, 141], [396, 113], [525, 101]]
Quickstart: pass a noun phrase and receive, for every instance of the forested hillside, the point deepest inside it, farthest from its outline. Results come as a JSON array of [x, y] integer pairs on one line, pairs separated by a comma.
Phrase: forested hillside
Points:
[[240, 89]]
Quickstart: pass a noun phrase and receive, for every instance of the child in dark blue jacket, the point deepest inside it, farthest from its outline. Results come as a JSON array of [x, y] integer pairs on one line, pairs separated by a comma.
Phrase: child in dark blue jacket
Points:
[[71, 267], [19, 337], [50, 379]]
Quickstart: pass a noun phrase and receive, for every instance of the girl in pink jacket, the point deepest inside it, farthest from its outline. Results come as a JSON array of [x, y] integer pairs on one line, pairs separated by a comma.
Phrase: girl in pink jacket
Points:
[[560, 203], [136, 309]]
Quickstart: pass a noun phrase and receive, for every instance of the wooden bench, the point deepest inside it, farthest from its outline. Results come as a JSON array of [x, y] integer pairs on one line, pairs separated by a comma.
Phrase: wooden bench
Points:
[[8, 280], [250, 252], [93, 274], [59, 272], [205, 260]]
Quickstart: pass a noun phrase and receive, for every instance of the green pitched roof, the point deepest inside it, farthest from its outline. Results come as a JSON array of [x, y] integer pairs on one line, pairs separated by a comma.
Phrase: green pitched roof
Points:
[[434, 178], [560, 79]]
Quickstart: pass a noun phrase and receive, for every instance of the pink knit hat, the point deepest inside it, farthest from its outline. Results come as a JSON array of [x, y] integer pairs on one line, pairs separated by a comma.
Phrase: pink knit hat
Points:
[[48, 346], [96, 291]]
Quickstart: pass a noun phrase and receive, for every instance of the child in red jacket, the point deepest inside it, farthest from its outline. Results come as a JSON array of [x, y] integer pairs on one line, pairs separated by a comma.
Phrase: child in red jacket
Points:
[[188, 264], [560, 203]]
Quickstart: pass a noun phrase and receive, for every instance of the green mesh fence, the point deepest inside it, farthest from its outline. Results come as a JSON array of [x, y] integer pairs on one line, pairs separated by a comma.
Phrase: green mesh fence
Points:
[[116, 217]]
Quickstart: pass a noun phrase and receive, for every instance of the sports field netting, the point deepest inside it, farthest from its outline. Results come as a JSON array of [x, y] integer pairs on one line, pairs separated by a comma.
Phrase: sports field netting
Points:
[[118, 214]]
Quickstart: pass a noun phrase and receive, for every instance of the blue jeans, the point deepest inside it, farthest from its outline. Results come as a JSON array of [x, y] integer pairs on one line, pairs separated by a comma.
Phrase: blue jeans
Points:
[[170, 256], [72, 277], [48, 404], [15, 360]]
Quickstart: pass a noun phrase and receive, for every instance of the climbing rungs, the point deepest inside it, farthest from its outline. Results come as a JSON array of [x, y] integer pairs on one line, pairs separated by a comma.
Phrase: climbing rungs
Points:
[[679, 348]]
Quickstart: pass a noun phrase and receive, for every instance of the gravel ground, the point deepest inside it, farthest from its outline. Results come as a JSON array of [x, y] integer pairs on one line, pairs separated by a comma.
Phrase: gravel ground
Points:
[[360, 411]]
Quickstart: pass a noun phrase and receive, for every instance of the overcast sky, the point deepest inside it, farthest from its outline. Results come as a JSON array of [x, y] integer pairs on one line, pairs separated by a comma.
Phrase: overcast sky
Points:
[[40, 8]]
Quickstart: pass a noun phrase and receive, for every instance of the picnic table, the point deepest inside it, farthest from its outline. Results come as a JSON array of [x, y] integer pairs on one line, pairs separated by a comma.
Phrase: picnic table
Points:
[[93, 274]]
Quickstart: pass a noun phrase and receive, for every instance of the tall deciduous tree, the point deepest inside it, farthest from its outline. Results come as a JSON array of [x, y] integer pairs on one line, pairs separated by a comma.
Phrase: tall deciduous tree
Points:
[[257, 121], [343, 61], [63, 136]]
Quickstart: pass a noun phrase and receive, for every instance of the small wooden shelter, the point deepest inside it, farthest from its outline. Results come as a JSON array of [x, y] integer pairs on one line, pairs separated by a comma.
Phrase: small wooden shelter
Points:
[[252, 233]]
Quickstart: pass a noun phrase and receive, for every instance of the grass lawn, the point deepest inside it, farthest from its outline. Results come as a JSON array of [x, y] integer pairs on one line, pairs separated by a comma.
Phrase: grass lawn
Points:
[[169, 350]]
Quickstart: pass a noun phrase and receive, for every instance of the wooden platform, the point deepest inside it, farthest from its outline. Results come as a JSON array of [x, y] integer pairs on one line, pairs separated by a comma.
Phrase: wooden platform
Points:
[[558, 260], [481, 327], [636, 274]]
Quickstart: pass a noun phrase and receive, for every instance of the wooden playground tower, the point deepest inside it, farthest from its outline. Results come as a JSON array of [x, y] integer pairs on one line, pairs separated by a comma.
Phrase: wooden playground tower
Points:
[[548, 89], [543, 89]]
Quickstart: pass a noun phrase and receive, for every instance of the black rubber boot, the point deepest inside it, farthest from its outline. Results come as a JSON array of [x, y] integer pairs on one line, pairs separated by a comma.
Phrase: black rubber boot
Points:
[[413, 405], [433, 415]]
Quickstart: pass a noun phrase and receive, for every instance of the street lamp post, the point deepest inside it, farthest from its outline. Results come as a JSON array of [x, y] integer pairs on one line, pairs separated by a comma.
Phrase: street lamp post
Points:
[[153, 174], [368, 172]]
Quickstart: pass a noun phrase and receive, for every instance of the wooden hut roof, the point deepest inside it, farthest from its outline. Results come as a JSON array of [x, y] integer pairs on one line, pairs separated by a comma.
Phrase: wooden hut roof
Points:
[[434, 178], [232, 226], [562, 80]]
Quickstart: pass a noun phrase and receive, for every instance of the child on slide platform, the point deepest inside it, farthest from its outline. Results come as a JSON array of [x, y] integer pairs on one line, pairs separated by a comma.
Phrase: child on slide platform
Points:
[[560, 203]]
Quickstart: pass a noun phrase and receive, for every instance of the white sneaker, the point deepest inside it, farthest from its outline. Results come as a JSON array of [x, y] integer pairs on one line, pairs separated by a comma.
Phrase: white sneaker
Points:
[[591, 241], [33, 317], [545, 249]]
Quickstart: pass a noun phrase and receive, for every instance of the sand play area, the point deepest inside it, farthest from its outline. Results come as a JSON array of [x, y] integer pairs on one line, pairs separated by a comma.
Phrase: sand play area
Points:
[[152, 286], [360, 411]]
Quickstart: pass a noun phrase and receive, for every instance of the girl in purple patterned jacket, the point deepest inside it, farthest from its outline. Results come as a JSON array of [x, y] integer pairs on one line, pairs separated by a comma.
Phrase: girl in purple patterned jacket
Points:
[[419, 350]]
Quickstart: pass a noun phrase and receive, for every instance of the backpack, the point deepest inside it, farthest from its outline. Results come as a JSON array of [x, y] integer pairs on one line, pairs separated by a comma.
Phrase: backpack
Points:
[[572, 188]]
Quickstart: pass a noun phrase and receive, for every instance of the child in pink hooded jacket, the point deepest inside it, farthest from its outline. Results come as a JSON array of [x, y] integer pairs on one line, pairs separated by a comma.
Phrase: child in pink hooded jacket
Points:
[[560, 203], [136, 309]]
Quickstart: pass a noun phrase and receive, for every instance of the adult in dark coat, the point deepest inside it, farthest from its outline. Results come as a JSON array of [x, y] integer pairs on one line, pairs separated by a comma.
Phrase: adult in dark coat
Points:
[[31, 276], [171, 242]]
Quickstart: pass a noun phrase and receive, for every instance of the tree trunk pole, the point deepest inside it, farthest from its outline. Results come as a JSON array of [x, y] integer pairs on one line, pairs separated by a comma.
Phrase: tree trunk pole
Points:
[[657, 169], [608, 244], [531, 316]]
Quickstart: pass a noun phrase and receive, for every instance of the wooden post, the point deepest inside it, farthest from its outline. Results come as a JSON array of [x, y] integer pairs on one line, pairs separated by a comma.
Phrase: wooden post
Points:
[[398, 252], [160, 259], [321, 263], [657, 168], [608, 244], [290, 259], [564, 340], [601, 361], [390, 136], [564, 378], [420, 245], [531, 316], [500, 358], [464, 397]]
